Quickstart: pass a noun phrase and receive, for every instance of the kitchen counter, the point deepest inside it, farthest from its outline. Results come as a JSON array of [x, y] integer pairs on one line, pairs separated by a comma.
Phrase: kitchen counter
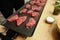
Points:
[[44, 31]]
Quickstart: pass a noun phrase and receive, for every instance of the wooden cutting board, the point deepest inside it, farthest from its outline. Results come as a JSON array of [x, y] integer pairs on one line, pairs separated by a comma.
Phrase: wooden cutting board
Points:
[[43, 30]]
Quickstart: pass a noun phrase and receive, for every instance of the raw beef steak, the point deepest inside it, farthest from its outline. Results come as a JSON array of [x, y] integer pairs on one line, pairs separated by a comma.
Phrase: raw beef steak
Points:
[[20, 20], [30, 23], [11, 19]]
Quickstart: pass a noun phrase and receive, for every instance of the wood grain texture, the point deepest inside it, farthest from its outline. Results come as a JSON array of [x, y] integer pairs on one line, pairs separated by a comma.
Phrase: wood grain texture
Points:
[[44, 31]]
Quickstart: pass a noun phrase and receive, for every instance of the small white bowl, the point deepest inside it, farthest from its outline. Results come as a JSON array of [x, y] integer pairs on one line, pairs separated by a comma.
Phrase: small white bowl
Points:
[[49, 19]]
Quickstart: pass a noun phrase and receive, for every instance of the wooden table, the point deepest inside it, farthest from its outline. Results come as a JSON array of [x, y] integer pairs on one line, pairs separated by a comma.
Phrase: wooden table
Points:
[[43, 30]]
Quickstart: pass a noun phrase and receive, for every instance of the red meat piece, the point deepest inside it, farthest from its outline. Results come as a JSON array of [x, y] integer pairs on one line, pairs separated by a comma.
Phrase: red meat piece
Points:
[[37, 2], [23, 11], [20, 20], [35, 14], [11, 19], [28, 6], [32, 2], [30, 12], [30, 23], [38, 9], [43, 1], [34, 7], [41, 4]]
